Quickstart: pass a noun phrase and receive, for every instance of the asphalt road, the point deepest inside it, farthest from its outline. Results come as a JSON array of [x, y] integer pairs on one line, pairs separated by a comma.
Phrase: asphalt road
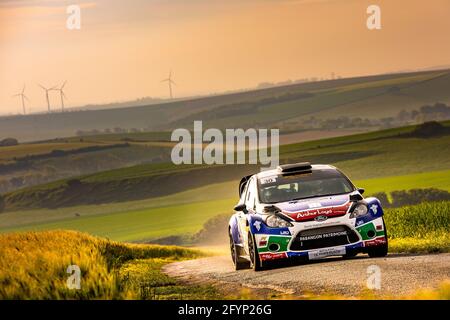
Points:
[[400, 275]]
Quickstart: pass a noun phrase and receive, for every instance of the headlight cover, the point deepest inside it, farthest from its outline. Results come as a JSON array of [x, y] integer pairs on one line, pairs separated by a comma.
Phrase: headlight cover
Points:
[[274, 221], [360, 210]]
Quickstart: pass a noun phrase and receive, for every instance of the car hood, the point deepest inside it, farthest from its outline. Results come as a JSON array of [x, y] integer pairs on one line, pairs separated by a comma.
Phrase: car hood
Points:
[[310, 209]]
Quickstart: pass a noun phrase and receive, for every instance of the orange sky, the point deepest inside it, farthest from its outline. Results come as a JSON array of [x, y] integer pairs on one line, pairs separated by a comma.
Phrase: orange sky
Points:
[[125, 48]]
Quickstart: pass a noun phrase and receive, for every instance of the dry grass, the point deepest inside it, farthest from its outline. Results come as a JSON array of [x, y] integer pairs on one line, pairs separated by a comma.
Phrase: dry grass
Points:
[[33, 265]]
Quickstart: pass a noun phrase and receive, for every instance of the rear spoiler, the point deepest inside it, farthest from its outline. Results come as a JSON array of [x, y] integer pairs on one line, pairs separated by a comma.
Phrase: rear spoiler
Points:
[[243, 183]]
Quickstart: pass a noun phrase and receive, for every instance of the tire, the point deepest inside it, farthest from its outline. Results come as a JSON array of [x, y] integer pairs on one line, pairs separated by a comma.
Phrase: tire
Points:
[[379, 251], [256, 263], [238, 262], [350, 254]]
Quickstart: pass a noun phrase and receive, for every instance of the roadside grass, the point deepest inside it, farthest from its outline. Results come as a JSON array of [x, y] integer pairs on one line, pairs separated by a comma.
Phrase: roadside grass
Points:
[[144, 277], [423, 228], [442, 292], [34, 264]]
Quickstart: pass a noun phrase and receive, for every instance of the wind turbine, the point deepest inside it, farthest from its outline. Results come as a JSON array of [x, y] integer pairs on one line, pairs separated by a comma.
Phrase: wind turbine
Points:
[[46, 94], [23, 96], [62, 95], [170, 82]]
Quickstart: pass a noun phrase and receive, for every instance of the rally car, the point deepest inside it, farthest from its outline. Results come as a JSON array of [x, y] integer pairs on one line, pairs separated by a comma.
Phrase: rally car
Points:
[[303, 210]]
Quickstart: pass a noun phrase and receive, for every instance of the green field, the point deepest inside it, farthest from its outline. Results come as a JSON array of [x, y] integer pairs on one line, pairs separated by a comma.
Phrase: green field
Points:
[[364, 156], [143, 224], [423, 228], [179, 214], [153, 201], [433, 179]]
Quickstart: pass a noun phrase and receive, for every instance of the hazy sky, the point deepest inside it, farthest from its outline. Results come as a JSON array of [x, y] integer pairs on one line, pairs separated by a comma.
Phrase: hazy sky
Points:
[[125, 48]]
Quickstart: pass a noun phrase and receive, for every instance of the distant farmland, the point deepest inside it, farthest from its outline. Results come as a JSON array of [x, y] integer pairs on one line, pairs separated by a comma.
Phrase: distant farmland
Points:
[[160, 200], [392, 152], [371, 96]]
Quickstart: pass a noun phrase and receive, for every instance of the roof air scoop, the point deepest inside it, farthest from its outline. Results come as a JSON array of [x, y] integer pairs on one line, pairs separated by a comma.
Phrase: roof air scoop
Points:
[[296, 168]]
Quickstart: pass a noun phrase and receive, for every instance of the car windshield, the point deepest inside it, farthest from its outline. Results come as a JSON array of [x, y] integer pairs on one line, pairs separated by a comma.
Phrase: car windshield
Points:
[[278, 188]]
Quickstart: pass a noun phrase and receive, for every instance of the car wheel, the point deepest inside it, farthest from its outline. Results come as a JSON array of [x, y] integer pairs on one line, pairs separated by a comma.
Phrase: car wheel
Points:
[[238, 262], [350, 254], [382, 250], [256, 263]]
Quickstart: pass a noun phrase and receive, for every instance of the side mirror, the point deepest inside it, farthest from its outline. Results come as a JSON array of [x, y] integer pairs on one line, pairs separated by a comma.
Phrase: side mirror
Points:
[[241, 207], [361, 190]]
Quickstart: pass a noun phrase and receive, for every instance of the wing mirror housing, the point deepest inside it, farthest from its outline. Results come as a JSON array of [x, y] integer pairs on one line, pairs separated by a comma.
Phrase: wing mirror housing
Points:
[[241, 207], [361, 190]]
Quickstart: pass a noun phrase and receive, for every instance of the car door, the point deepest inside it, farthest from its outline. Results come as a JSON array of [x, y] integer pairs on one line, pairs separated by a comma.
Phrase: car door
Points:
[[250, 203]]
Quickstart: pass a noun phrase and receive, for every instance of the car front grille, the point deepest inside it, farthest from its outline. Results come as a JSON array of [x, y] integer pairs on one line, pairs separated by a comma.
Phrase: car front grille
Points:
[[323, 237]]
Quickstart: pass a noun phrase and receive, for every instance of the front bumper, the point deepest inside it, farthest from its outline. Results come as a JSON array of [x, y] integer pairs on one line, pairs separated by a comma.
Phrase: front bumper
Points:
[[272, 246]]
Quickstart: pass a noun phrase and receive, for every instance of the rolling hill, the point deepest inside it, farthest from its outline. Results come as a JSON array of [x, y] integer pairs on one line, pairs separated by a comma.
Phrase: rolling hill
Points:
[[392, 152], [370, 96]]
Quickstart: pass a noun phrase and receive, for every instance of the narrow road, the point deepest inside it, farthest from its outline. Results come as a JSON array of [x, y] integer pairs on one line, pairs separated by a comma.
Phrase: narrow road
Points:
[[400, 275]]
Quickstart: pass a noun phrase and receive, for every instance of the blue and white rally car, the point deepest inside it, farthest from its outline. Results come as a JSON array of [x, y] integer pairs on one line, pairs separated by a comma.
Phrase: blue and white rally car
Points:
[[303, 210]]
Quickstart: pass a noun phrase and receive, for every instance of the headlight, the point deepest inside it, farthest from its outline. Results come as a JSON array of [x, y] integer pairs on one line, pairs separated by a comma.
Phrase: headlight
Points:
[[360, 210], [274, 221]]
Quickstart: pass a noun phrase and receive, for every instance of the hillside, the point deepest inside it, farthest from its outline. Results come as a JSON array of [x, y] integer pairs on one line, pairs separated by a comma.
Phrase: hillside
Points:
[[284, 107], [26, 165], [364, 156]]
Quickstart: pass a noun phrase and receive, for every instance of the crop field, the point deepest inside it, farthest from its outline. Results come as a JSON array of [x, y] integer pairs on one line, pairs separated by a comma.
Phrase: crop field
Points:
[[33, 266], [423, 228], [9, 154]]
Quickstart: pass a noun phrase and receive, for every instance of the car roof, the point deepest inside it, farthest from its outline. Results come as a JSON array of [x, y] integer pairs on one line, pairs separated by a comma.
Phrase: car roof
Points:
[[275, 172]]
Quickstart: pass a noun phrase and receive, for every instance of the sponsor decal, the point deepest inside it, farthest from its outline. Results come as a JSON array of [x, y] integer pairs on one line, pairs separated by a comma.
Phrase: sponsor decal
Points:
[[323, 224], [305, 204], [268, 180], [272, 256], [311, 214], [323, 236], [285, 233], [375, 242], [320, 218], [322, 253], [263, 242], [257, 225], [374, 208], [313, 205]]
